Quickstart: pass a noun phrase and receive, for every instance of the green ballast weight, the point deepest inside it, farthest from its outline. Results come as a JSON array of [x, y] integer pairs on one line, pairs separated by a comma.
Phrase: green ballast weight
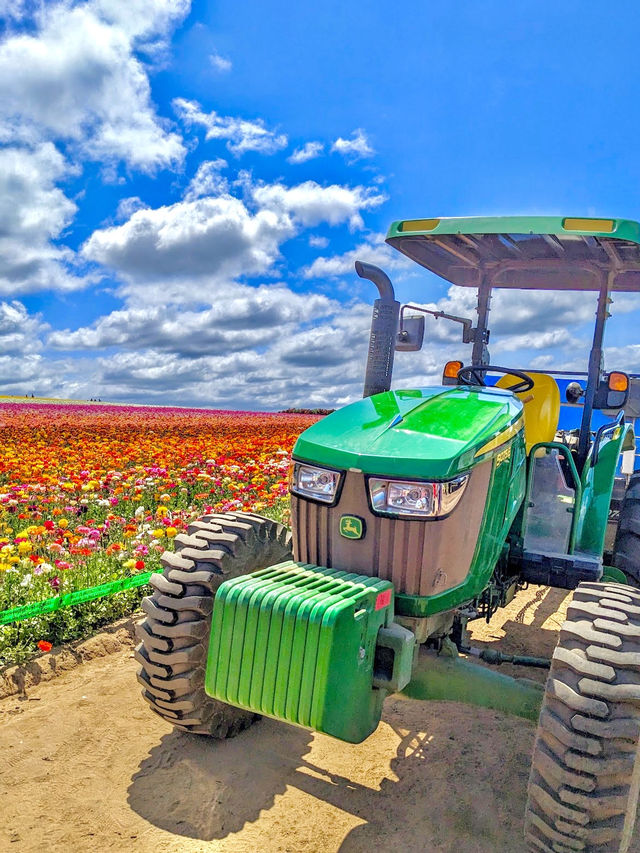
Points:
[[298, 643], [38, 608]]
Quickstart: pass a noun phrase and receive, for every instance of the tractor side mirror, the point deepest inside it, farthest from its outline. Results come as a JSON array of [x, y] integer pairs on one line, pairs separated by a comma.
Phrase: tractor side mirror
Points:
[[411, 334], [612, 392]]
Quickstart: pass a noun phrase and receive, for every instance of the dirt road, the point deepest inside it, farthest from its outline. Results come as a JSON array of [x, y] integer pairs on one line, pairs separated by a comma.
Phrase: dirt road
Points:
[[87, 767]]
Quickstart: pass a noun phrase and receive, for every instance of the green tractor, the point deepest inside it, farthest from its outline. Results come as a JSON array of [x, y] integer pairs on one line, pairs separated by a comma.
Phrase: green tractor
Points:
[[415, 511]]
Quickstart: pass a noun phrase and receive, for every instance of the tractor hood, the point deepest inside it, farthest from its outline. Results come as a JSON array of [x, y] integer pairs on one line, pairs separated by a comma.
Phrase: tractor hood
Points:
[[430, 433]]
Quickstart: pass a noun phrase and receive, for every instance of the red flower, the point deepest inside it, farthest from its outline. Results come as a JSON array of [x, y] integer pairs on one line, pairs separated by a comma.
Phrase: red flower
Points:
[[139, 565], [45, 646]]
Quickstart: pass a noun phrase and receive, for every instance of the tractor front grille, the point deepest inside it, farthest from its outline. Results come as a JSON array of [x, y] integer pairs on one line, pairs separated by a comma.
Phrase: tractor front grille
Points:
[[418, 557]]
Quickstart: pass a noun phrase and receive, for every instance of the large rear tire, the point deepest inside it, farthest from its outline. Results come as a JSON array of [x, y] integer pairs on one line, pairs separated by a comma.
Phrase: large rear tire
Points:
[[175, 633], [585, 772], [626, 551]]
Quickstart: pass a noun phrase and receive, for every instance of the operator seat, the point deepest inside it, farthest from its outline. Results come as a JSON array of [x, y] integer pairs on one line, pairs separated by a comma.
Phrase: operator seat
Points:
[[541, 407]]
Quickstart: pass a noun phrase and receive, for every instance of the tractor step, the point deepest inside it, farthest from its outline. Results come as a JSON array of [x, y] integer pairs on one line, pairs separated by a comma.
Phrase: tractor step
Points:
[[562, 570], [308, 645]]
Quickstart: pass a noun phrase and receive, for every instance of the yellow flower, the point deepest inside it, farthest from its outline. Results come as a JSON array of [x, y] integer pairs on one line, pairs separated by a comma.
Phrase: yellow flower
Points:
[[162, 511], [159, 533], [63, 523], [171, 532], [129, 564], [24, 547]]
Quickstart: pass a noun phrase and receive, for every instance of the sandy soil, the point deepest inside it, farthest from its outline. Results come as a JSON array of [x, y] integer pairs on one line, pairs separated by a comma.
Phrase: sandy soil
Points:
[[87, 767]]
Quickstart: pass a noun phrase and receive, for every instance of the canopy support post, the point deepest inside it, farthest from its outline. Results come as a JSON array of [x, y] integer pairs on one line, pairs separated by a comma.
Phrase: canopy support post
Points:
[[480, 354], [595, 366]]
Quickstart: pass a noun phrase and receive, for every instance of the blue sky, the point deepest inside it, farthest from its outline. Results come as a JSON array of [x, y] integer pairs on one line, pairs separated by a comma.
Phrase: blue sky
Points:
[[185, 187]]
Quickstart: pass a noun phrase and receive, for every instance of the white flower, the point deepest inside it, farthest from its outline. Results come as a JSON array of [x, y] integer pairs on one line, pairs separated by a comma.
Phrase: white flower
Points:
[[139, 511], [26, 580]]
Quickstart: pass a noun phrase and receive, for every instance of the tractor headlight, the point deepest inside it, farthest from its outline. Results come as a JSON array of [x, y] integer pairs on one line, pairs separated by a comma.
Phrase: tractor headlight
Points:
[[415, 499], [321, 484]]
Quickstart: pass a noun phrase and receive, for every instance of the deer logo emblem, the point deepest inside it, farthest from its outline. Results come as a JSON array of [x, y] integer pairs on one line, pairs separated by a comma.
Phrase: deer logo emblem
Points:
[[351, 527]]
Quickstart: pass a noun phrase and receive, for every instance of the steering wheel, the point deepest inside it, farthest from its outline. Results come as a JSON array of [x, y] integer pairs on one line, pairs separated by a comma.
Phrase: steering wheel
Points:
[[472, 375]]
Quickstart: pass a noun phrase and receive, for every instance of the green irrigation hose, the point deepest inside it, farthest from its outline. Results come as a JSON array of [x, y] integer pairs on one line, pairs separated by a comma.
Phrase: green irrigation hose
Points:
[[28, 611]]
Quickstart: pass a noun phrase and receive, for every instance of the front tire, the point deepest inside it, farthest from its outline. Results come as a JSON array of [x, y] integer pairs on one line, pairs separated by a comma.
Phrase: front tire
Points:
[[585, 771], [175, 633], [626, 551]]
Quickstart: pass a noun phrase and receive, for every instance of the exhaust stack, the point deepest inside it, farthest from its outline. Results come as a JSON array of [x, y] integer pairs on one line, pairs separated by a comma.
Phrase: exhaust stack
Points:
[[384, 327]]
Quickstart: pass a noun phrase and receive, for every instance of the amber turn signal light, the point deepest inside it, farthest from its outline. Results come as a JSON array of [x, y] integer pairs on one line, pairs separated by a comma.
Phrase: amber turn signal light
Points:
[[418, 225], [618, 381], [604, 226], [451, 369]]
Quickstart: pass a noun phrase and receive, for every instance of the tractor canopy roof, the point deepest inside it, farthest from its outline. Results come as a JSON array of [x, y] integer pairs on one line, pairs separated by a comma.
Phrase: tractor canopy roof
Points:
[[526, 252]]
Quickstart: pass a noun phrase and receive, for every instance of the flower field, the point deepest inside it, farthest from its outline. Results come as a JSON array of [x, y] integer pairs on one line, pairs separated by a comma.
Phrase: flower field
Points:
[[95, 493]]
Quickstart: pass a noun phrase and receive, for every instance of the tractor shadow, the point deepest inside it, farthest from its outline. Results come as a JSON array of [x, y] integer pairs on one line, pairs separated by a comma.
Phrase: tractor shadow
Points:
[[202, 788], [424, 780]]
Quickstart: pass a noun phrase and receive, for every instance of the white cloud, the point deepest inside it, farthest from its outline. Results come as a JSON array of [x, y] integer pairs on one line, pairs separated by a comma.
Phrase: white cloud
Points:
[[33, 213], [76, 78], [128, 206], [20, 332], [208, 180], [242, 135], [220, 63], [252, 349], [14, 10], [372, 251], [28, 374], [625, 358], [184, 250], [146, 21], [317, 242], [30, 204], [241, 318], [553, 339], [309, 151], [355, 148], [215, 238], [311, 203]]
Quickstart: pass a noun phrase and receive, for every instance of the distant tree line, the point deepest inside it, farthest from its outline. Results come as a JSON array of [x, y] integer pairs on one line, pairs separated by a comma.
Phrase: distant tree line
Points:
[[306, 411]]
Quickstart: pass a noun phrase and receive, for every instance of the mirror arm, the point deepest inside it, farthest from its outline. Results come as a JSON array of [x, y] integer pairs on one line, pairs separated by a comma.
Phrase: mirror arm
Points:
[[468, 336]]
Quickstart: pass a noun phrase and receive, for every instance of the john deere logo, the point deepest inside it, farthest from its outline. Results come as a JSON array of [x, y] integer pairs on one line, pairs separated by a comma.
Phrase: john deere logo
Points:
[[351, 527]]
